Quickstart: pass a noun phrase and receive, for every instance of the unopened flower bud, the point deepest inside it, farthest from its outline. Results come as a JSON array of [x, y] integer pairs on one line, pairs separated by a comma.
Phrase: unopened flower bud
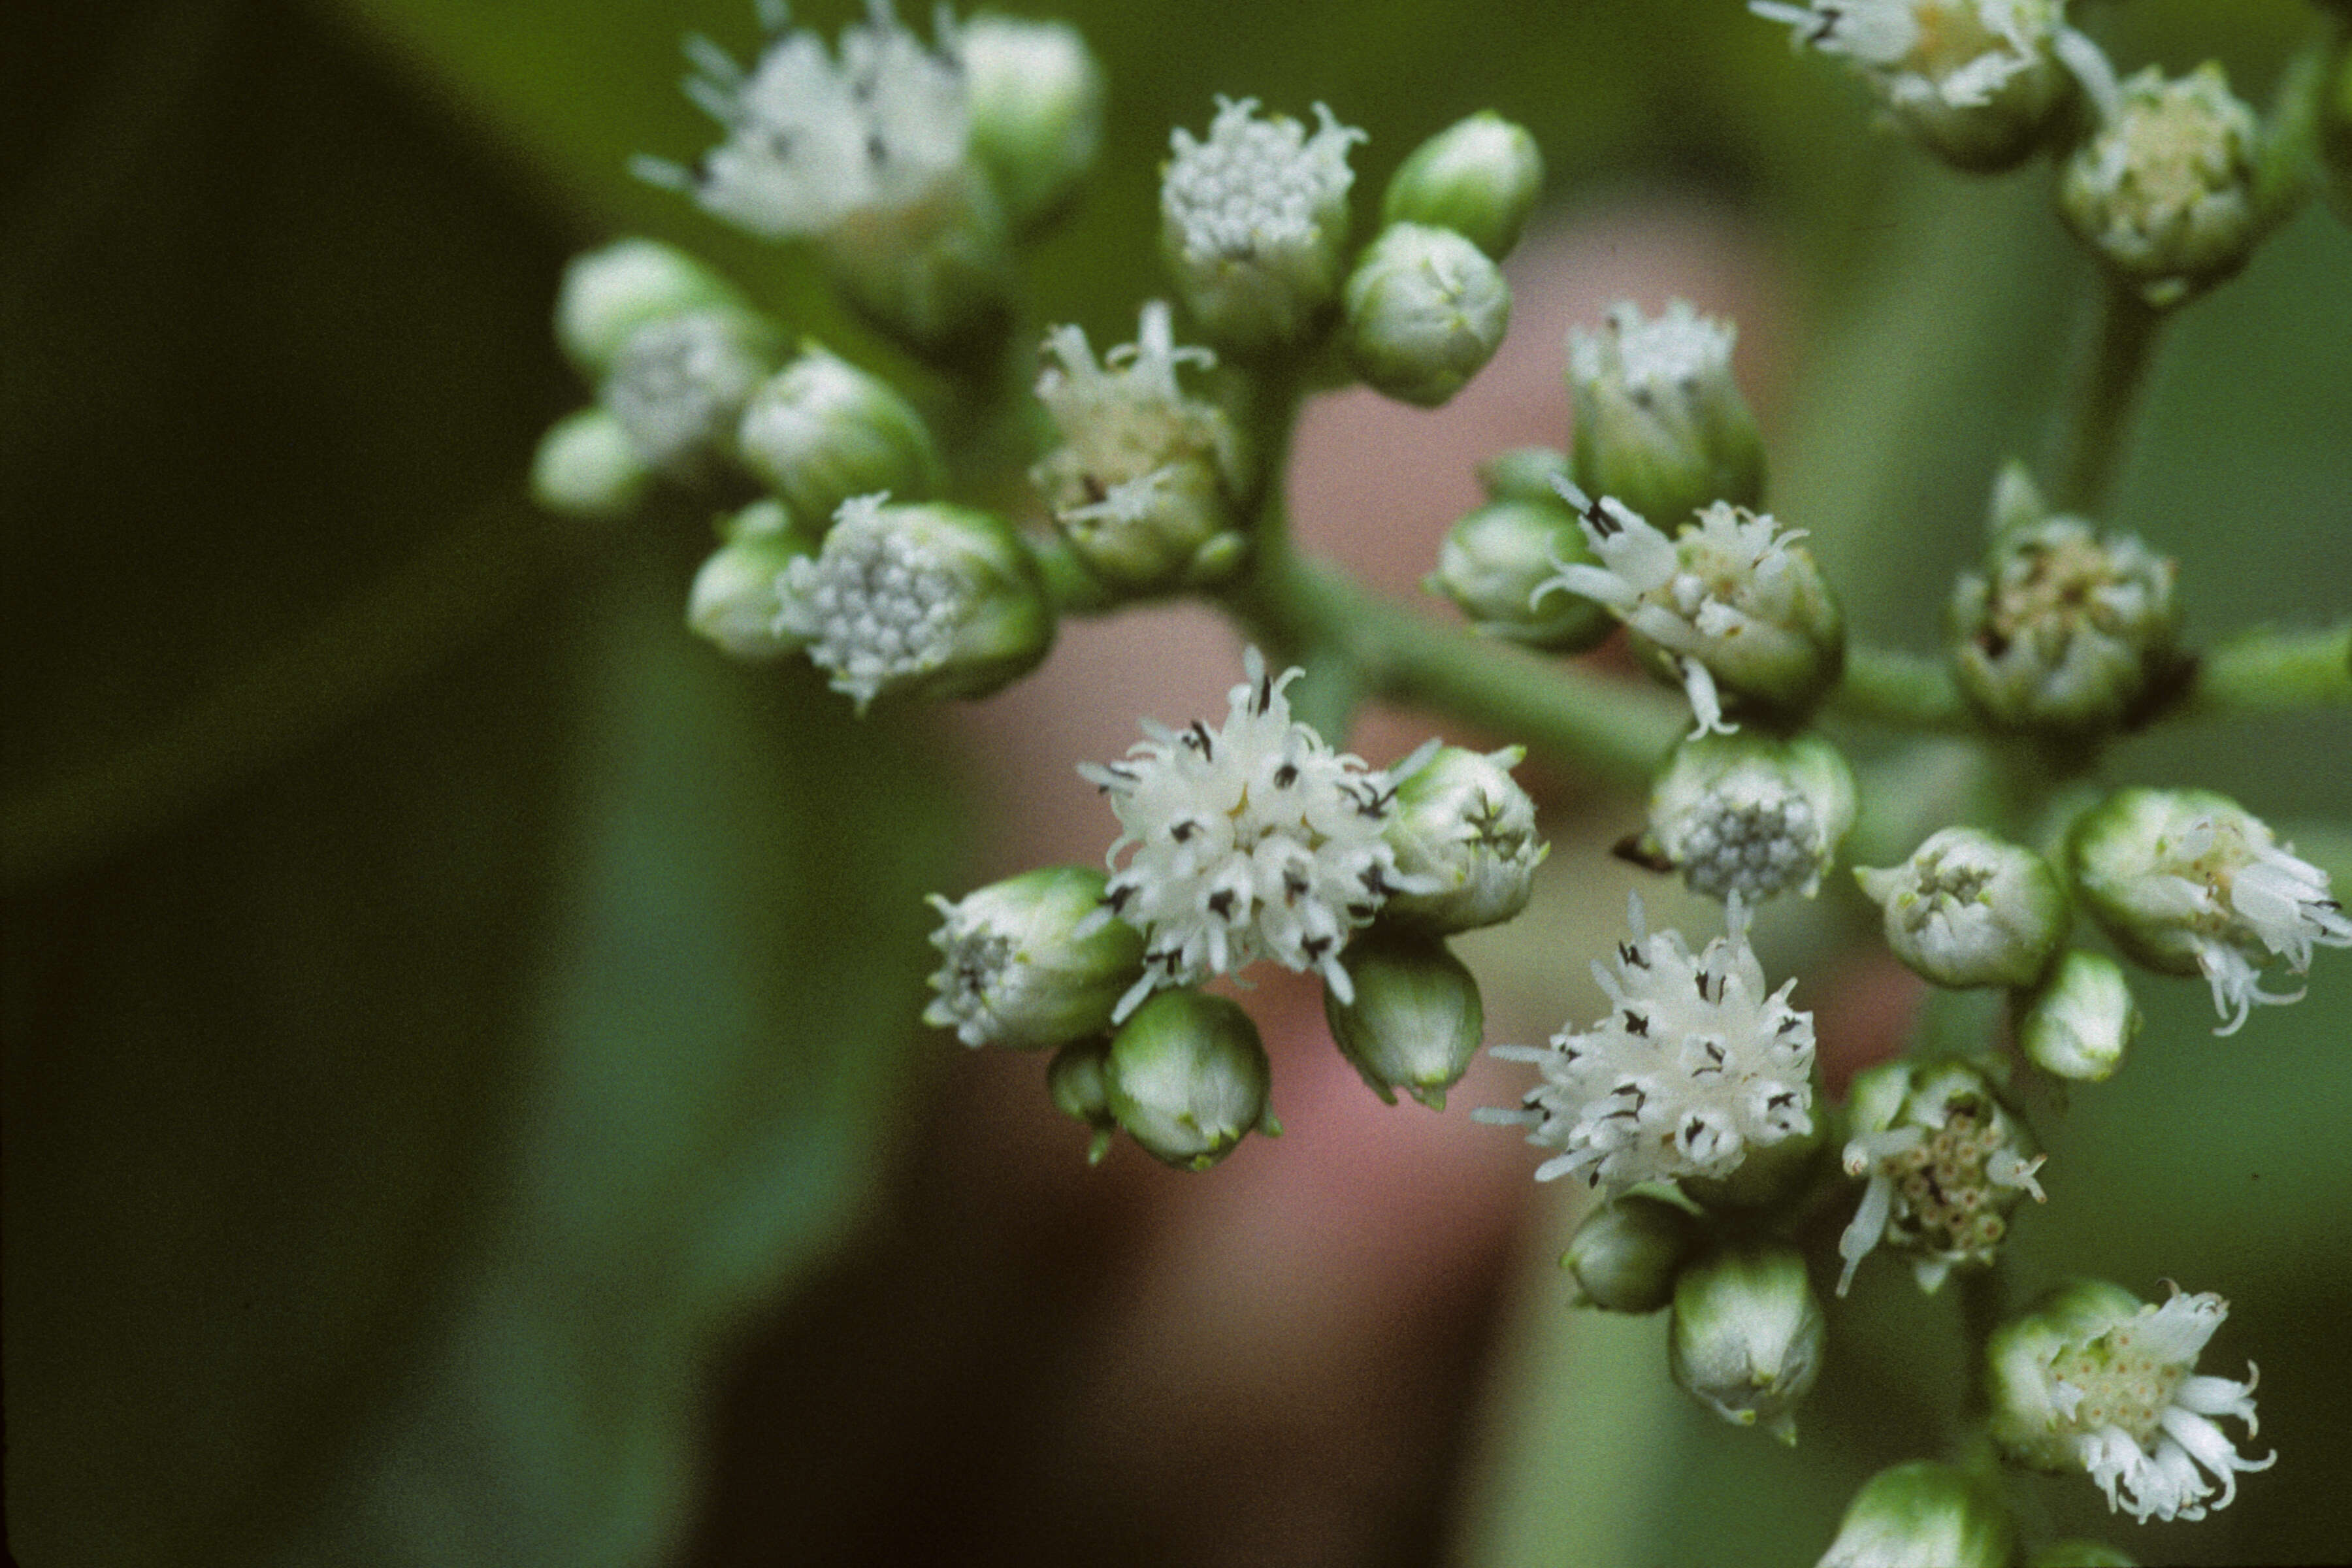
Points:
[[1660, 423], [1968, 909], [1626, 1253], [1525, 473], [608, 294], [1028, 963], [1464, 829], [679, 386], [1923, 1515], [2188, 882], [1416, 1021], [1074, 1079], [821, 430], [588, 466], [1751, 815], [1944, 1162], [2079, 1020], [1478, 177], [2164, 191], [931, 600], [1036, 103], [2080, 1554], [737, 596], [1254, 220], [1187, 1079], [1494, 561], [1746, 1335], [1426, 309]]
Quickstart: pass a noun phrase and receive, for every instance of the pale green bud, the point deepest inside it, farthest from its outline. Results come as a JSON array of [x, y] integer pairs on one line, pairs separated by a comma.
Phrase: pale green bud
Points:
[[1478, 177], [1525, 473], [1426, 309], [1416, 1021], [1746, 1335], [1033, 961], [1074, 1079], [1923, 1515], [1943, 1162], [588, 466], [1036, 97], [1751, 816], [2080, 1554], [1660, 423], [736, 598], [2164, 192], [1492, 561], [608, 294], [1187, 1079], [821, 430], [2078, 1022], [1626, 1253], [1464, 827], [1968, 909], [679, 383]]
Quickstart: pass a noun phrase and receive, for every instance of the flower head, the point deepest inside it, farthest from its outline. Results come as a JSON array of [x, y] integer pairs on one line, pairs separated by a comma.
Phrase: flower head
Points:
[[1464, 824], [1747, 1334], [1968, 909], [1660, 423], [2097, 1381], [1694, 1067], [1426, 309], [1252, 840], [2191, 883], [1752, 817], [1014, 970], [1944, 1160], [822, 430], [678, 385], [2164, 192]]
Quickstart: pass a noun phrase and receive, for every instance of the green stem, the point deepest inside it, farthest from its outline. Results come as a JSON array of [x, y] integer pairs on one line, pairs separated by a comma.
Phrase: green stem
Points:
[[2090, 446], [2267, 671], [1907, 690], [1984, 1302]]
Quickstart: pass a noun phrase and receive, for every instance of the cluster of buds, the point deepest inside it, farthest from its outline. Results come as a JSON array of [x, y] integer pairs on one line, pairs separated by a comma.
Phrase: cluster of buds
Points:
[[2163, 193], [1750, 817], [1944, 1162]]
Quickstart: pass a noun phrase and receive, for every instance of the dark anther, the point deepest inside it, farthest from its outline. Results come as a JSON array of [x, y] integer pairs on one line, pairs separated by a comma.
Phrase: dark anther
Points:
[[1182, 831], [877, 153], [1285, 776], [1315, 947], [1265, 692], [1221, 903], [1602, 523], [1831, 18], [1200, 733], [1637, 1024]]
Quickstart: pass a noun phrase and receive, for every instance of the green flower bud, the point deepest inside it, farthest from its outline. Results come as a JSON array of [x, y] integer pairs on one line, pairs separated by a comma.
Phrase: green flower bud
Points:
[[936, 274], [1660, 423], [2080, 1554], [1426, 310], [1032, 962], [1035, 97], [1187, 1078], [1478, 177], [679, 386], [1751, 816], [821, 430], [1493, 561], [1525, 473], [2077, 1023], [1968, 909], [1923, 1515], [1076, 1080], [588, 466], [1415, 1022], [1254, 221], [608, 294], [2163, 193], [1746, 1335], [1626, 1253], [736, 599], [1464, 828], [1945, 1162], [931, 601]]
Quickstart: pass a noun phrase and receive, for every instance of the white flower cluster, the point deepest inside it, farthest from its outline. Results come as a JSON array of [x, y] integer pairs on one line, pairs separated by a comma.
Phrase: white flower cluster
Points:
[[1751, 838], [880, 603], [1944, 1162], [1256, 188], [2165, 189], [1695, 1066], [1953, 52], [678, 385], [1667, 358], [1252, 840]]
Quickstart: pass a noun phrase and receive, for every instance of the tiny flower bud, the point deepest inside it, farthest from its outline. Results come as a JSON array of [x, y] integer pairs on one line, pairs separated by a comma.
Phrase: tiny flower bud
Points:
[[1524, 473], [1495, 559], [2078, 1022], [1752, 815], [1074, 1079], [2080, 1554], [1467, 831], [2096, 1381], [1747, 1333], [588, 466], [1478, 177], [821, 430], [1944, 1162], [608, 294], [1255, 223], [2164, 191], [1627, 1252], [933, 601], [737, 597], [2188, 882], [1923, 1515], [1187, 1078], [679, 383], [1660, 423], [1416, 1019], [1036, 106], [1147, 484], [1027, 963], [1426, 309], [1968, 909]]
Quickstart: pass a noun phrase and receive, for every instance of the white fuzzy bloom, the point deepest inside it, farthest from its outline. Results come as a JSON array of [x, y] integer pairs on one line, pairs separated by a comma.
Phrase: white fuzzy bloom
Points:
[[1694, 1064], [1252, 840], [679, 383], [1751, 816], [1255, 189], [1667, 358], [1959, 53], [1943, 1161]]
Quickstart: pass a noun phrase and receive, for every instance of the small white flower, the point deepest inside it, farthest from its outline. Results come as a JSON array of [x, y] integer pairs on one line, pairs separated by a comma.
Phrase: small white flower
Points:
[[1944, 1162], [679, 383], [1014, 971], [1695, 1066], [1967, 909], [1666, 359], [1464, 825], [1660, 423], [1252, 840], [2099, 1382], [2164, 191], [1959, 53], [1752, 815]]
